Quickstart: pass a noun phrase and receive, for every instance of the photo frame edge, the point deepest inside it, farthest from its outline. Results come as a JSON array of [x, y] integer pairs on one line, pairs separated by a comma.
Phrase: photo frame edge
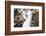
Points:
[[12, 33]]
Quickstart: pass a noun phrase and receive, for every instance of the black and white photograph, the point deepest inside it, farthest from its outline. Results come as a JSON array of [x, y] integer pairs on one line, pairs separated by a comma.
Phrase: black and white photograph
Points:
[[26, 17]]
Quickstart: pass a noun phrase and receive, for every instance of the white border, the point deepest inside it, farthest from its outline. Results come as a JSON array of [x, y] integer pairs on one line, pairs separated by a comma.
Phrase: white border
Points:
[[26, 7]]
